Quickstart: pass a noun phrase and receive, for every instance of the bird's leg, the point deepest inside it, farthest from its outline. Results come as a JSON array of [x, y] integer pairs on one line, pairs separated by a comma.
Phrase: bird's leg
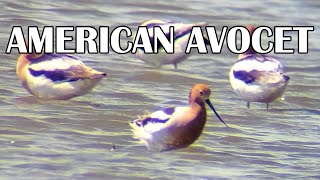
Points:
[[248, 105], [175, 66], [267, 105]]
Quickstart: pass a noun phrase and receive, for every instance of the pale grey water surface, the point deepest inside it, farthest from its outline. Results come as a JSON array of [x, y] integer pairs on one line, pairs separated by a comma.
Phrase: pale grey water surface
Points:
[[72, 139]]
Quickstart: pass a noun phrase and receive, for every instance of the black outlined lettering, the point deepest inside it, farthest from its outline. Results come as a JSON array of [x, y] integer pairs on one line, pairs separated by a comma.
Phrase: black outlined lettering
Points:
[[196, 40], [166, 40], [16, 36], [256, 40], [279, 39], [40, 43], [215, 43], [104, 39], [232, 39], [82, 39], [115, 39], [142, 41], [151, 40], [61, 39], [303, 39]]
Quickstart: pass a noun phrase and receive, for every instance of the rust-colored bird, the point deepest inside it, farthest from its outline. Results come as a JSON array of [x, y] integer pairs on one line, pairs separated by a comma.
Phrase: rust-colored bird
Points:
[[177, 127]]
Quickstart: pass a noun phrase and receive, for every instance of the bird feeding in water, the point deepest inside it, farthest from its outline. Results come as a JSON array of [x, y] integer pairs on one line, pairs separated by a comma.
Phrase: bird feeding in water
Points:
[[56, 76], [180, 39], [176, 127], [258, 77]]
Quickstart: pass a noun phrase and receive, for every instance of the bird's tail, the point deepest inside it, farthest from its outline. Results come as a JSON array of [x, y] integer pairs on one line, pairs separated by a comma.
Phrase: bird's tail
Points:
[[99, 74], [138, 132]]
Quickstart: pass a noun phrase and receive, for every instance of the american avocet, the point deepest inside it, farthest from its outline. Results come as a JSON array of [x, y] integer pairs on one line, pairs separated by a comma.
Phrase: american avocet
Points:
[[56, 76], [181, 37], [258, 78], [178, 127]]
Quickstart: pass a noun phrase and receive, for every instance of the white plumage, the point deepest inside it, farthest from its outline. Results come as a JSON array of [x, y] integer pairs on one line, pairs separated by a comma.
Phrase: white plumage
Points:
[[56, 76], [258, 78], [181, 36], [174, 128]]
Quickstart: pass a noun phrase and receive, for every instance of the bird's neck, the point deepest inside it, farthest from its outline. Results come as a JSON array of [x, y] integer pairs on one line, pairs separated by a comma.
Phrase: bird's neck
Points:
[[199, 110], [197, 104]]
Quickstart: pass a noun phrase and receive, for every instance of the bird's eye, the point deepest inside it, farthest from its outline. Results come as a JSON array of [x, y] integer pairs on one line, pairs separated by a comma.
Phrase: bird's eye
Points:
[[201, 92]]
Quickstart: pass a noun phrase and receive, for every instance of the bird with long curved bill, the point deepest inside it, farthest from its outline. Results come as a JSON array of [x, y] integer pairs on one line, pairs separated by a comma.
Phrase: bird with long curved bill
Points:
[[176, 127]]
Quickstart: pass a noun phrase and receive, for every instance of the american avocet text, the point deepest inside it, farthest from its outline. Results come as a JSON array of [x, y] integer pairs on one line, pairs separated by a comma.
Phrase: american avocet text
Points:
[[150, 40]]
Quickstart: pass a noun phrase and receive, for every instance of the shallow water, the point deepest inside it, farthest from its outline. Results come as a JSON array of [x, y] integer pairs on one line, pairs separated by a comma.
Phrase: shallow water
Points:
[[72, 139]]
